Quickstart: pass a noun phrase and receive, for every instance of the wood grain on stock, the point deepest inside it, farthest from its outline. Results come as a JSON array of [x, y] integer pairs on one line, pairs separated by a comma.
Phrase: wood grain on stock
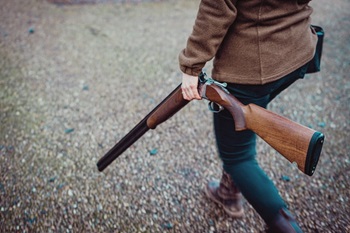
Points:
[[289, 138]]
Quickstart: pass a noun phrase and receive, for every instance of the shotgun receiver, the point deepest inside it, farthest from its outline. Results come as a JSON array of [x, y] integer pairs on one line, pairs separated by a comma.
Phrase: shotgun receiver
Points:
[[297, 143]]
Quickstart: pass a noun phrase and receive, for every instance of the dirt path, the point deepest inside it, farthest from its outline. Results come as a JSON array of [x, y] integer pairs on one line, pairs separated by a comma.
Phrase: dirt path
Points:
[[75, 78]]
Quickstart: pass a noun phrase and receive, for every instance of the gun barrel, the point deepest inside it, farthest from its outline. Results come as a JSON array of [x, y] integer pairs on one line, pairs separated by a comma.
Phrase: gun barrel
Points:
[[167, 108], [139, 130]]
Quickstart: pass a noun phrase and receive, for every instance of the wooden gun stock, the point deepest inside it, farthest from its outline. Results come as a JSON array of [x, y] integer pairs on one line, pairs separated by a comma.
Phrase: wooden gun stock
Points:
[[295, 142]]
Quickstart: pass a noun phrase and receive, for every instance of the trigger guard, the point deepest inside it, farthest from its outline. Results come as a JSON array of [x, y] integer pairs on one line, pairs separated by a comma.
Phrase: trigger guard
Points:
[[214, 107]]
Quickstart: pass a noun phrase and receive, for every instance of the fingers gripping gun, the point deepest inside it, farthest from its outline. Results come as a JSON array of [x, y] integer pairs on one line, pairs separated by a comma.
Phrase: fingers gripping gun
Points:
[[297, 143]]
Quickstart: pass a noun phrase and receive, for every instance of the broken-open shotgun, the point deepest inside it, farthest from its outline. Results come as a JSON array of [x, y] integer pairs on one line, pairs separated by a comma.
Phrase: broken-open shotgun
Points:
[[297, 143]]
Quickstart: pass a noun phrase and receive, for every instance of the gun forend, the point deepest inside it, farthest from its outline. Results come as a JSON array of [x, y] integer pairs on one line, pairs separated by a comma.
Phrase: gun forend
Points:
[[162, 112]]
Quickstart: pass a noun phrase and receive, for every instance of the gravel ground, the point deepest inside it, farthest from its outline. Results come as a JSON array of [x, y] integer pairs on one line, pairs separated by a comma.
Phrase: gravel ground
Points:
[[75, 78]]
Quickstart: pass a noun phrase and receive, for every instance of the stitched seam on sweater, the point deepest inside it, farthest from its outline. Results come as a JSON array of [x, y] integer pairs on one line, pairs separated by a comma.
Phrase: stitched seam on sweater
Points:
[[258, 38]]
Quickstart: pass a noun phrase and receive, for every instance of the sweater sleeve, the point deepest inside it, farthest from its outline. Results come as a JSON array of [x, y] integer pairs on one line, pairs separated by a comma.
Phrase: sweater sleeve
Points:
[[213, 20]]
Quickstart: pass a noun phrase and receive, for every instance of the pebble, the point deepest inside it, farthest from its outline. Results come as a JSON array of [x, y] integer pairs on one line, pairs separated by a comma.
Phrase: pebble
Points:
[[153, 152], [31, 30], [285, 178], [69, 130], [70, 193], [168, 225], [94, 71]]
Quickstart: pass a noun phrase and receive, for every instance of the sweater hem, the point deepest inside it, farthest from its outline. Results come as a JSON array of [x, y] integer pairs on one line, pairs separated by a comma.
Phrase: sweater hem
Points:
[[247, 80]]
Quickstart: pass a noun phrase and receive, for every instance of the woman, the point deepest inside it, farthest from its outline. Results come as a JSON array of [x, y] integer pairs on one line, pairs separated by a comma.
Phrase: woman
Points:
[[259, 47]]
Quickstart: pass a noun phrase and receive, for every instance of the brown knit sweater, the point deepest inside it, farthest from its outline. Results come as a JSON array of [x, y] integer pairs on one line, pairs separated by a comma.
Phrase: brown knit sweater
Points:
[[253, 41]]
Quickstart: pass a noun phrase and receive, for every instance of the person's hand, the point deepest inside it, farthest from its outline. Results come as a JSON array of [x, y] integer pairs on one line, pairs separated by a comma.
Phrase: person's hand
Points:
[[190, 87]]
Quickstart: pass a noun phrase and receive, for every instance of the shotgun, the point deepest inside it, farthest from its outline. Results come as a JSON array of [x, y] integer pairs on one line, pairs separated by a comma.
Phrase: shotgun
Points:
[[297, 143]]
